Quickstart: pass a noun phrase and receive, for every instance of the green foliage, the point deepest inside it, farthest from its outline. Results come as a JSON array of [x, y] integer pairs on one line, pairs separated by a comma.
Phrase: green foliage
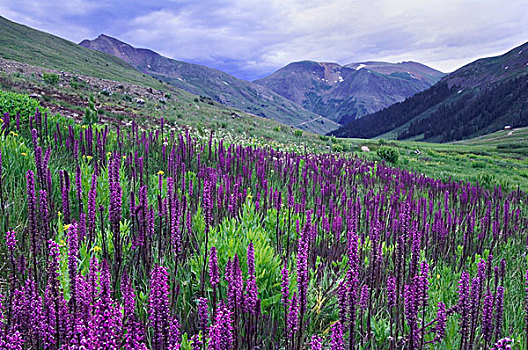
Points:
[[91, 115], [12, 103], [389, 154], [50, 78], [298, 133]]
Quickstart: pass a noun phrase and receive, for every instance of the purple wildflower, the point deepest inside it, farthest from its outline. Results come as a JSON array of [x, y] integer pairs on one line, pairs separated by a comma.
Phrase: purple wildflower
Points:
[[336, 340]]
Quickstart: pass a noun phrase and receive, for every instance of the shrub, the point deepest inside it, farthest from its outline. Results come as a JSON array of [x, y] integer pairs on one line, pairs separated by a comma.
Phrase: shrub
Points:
[[50, 78], [298, 132], [12, 103], [390, 154]]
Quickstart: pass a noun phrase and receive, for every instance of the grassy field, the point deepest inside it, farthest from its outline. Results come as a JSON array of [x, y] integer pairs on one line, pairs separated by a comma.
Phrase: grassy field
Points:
[[495, 159]]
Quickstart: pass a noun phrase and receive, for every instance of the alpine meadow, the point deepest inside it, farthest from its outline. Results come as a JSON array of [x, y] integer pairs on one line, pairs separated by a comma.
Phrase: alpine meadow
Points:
[[154, 203]]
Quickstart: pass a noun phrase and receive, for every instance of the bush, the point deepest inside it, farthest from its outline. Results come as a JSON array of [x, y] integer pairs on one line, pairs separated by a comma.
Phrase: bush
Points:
[[12, 103], [50, 78], [390, 154], [297, 132]]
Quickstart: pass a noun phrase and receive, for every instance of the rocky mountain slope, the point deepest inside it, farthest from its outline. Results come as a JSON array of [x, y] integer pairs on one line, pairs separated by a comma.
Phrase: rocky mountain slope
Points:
[[481, 97], [345, 93], [220, 86]]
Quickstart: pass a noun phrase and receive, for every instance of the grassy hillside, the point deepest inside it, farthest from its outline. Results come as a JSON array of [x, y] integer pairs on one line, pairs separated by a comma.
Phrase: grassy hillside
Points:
[[219, 86], [477, 99], [115, 103], [24, 44]]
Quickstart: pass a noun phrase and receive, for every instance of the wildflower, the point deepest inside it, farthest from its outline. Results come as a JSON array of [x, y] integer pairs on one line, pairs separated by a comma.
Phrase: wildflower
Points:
[[11, 240], [214, 274], [441, 318], [202, 314], [24, 154], [159, 305], [503, 344], [96, 249], [487, 317], [13, 133], [336, 341], [161, 172], [316, 343], [221, 331], [66, 227]]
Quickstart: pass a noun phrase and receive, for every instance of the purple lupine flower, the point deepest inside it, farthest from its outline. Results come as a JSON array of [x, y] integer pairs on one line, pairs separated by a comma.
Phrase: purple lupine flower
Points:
[[221, 330], [159, 306], [65, 191], [92, 205], [106, 324], [174, 335], [336, 340], [487, 317], [342, 301], [503, 344], [128, 297], [251, 288], [73, 252], [293, 313], [11, 241], [44, 214], [499, 311], [391, 292], [32, 212], [464, 305], [12, 341], [364, 297], [203, 316], [196, 342], [316, 343], [526, 302], [285, 285], [441, 318], [214, 272]]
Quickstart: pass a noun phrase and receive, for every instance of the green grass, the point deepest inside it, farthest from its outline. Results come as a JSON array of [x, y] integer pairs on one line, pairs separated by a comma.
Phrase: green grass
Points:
[[23, 44]]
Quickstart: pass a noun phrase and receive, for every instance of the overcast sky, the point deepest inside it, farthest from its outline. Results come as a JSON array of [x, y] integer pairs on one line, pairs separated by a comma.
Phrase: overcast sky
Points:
[[251, 39]]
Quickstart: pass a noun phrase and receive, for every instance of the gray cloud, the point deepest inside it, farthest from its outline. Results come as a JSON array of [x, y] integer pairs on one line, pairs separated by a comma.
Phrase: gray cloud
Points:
[[252, 38]]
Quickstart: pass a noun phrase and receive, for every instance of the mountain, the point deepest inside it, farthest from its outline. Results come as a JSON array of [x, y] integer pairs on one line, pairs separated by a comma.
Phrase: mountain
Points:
[[220, 86], [345, 93], [24, 44], [482, 97]]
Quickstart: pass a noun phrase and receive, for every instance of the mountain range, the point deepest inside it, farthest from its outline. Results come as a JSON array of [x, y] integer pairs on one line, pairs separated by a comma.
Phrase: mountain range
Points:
[[327, 93], [482, 97], [219, 86], [345, 93]]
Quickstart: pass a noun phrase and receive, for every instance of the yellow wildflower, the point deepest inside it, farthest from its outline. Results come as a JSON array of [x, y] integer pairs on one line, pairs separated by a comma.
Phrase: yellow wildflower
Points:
[[109, 154], [89, 157], [62, 242], [1, 120], [24, 154], [124, 157], [437, 276], [13, 133], [161, 172], [96, 249], [66, 227], [85, 126]]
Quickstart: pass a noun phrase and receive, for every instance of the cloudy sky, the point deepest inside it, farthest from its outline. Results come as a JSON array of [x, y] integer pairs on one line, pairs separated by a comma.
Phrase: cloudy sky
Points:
[[251, 39]]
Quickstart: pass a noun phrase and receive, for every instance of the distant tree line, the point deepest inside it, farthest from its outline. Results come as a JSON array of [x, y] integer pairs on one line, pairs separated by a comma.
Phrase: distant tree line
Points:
[[445, 115], [396, 115], [477, 112]]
